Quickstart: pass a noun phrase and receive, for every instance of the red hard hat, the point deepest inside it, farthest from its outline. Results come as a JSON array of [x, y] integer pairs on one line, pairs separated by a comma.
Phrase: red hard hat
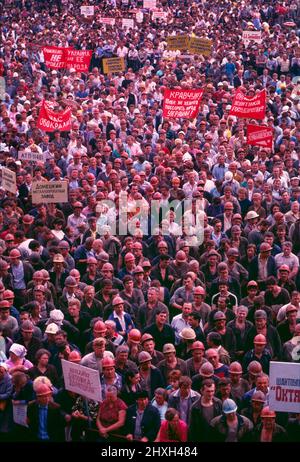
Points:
[[135, 336], [267, 412], [260, 339], [235, 368], [74, 357], [108, 362]]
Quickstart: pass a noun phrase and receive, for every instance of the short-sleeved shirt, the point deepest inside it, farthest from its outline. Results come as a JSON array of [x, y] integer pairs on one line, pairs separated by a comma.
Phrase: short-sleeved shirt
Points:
[[109, 411]]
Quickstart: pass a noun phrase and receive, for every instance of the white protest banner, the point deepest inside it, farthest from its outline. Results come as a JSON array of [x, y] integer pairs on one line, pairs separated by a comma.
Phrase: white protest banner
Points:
[[87, 10], [159, 15], [9, 182], [284, 386], [108, 21], [127, 23], [150, 4], [82, 380], [20, 414], [251, 35], [50, 192], [32, 156]]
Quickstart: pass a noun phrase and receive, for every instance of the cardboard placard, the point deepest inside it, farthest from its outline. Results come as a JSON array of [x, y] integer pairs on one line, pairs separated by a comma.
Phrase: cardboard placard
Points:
[[251, 36], [285, 386], [31, 156], [200, 46], [149, 4], [82, 380], [127, 23], [111, 65], [108, 21], [87, 10], [9, 181], [50, 192], [163, 15], [178, 42]]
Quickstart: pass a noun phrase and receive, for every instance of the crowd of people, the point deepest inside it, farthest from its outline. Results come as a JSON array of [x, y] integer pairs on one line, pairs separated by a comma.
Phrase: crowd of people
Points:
[[183, 312]]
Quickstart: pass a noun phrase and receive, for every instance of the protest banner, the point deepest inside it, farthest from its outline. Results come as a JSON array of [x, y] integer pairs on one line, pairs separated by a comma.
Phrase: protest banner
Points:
[[78, 59], [50, 192], [49, 120], [111, 65], [181, 103], [87, 10], [284, 386], [149, 4], [54, 57], [9, 181], [260, 135], [20, 414], [31, 156], [251, 108], [82, 380], [163, 15], [251, 36], [108, 21], [200, 46], [178, 42], [127, 23]]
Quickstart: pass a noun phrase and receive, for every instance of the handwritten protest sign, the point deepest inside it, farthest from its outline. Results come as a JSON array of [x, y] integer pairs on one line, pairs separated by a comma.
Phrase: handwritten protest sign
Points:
[[251, 36], [260, 135], [181, 103], [150, 4], [20, 414], [178, 42], [82, 380], [284, 387], [127, 23], [9, 182], [31, 156], [108, 21], [111, 65], [252, 108], [51, 192], [87, 10], [200, 46], [163, 15]]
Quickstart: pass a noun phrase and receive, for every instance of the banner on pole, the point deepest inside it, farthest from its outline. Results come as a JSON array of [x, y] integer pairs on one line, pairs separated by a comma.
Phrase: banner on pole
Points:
[[250, 108], [49, 120], [181, 103], [82, 380], [200, 46], [50, 192], [284, 387], [260, 135], [9, 180], [111, 65]]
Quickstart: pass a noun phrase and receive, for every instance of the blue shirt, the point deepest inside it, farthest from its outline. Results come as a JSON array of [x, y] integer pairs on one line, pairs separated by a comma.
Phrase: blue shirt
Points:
[[18, 276], [43, 417]]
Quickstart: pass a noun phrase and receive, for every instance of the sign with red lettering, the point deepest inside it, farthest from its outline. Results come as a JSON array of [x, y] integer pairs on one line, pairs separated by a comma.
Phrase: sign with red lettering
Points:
[[260, 135], [285, 385], [78, 59], [50, 120], [181, 103], [249, 108], [54, 57]]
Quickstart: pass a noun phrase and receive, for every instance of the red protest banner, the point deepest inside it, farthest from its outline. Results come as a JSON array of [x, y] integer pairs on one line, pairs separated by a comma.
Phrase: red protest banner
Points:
[[181, 103], [249, 108], [260, 135], [49, 120], [54, 57], [78, 59]]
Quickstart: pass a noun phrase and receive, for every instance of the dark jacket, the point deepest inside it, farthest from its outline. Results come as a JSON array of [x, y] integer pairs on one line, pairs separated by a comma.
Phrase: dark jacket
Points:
[[150, 422], [199, 428], [156, 380], [273, 340], [174, 401], [220, 428], [33, 346], [55, 422], [279, 434], [254, 267]]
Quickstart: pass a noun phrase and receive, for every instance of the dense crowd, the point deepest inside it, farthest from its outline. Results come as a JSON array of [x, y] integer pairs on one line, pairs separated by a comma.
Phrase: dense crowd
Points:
[[183, 312]]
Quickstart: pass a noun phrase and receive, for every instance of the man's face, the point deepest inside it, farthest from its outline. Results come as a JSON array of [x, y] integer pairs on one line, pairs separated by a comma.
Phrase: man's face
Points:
[[184, 390], [27, 335], [149, 346], [161, 318], [260, 323], [142, 403], [213, 358], [44, 400], [198, 354], [262, 384], [208, 392], [4, 313]]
